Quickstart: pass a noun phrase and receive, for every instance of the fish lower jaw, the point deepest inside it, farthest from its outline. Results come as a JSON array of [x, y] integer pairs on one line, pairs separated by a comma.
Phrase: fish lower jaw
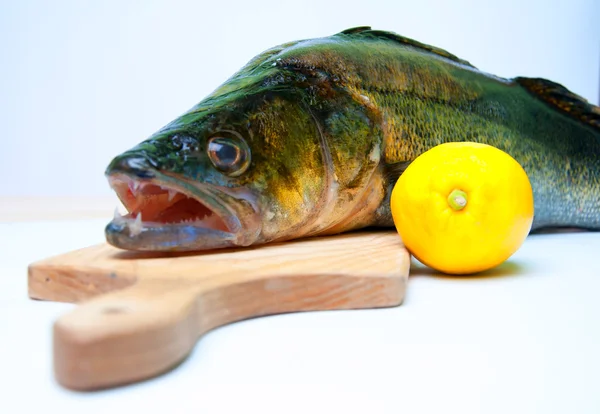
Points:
[[187, 235], [157, 237]]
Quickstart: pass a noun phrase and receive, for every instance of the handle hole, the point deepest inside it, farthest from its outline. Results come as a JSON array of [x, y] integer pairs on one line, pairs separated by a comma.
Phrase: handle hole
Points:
[[116, 309]]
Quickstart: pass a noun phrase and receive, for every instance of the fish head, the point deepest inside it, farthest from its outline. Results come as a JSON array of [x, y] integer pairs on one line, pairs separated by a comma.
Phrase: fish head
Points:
[[243, 167]]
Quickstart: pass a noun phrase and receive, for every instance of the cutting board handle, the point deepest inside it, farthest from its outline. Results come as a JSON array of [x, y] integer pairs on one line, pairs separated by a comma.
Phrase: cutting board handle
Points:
[[149, 327], [126, 336]]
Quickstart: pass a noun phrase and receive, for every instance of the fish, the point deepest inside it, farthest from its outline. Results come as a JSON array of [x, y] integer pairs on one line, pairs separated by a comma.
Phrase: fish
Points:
[[309, 138]]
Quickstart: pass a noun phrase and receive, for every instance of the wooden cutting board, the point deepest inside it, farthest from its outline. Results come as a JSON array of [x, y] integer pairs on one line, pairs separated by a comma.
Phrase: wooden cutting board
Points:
[[142, 313]]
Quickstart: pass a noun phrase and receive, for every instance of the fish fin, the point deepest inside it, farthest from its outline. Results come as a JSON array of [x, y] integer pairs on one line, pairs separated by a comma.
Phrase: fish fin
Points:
[[381, 34], [562, 99], [393, 171], [358, 29]]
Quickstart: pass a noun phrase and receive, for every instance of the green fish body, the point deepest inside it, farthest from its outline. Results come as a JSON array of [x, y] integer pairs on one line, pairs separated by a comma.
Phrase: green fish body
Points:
[[310, 136]]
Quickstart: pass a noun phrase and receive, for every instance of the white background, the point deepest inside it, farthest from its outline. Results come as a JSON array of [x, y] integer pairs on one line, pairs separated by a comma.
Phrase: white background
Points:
[[81, 81]]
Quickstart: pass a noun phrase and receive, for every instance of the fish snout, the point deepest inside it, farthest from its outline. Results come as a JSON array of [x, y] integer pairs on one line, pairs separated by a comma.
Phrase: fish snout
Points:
[[132, 165]]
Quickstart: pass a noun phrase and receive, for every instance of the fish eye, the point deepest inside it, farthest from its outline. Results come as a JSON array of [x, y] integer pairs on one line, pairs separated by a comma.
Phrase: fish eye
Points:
[[229, 154]]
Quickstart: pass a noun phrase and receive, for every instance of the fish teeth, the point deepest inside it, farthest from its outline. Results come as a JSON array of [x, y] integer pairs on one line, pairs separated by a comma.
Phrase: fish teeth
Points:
[[117, 215], [136, 227], [187, 221], [134, 186], [172, 194]]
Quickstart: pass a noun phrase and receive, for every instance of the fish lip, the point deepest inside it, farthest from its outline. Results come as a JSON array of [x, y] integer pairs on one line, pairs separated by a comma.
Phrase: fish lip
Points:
[[175, 237], [154, 236]]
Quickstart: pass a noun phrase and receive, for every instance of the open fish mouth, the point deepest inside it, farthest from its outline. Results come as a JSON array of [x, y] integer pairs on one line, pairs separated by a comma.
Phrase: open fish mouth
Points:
[[167, 215]]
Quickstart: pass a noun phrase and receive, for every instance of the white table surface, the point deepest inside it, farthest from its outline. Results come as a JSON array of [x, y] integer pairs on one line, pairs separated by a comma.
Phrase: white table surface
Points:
[[524, 338]]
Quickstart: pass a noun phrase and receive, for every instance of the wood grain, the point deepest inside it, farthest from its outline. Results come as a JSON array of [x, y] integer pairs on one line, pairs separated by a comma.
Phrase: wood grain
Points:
[[161, 304]]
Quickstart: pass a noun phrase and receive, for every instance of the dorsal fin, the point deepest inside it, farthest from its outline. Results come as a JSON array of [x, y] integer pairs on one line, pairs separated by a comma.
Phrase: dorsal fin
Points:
[[562, 99], [354, 30], [381, 34]]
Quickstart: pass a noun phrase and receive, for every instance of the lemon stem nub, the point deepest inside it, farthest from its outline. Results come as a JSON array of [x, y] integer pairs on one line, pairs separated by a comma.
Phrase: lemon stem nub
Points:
[[457, 199]]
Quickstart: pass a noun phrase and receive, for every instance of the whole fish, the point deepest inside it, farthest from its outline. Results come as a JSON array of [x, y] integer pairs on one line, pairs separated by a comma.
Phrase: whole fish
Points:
[[309, 138]]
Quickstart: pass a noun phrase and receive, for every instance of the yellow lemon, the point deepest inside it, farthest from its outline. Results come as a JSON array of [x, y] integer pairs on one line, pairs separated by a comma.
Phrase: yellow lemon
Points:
[[463, 207]]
